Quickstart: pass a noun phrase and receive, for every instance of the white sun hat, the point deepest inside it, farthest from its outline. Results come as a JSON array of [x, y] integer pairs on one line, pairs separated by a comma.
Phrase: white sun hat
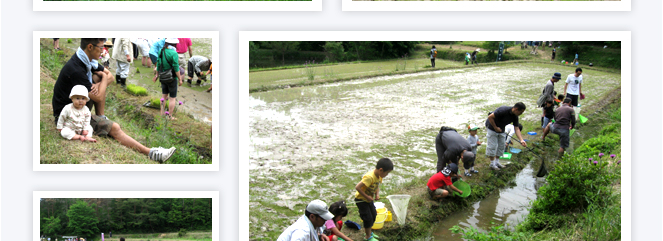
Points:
[[79, 90]]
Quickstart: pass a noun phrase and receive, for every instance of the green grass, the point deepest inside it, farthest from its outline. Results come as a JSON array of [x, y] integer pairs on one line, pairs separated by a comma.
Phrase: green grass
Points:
[[172, 0], [190, 235], [136, 90], [191, 137]]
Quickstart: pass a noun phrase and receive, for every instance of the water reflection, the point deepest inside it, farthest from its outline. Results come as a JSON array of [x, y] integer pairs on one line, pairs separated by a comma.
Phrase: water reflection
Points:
[[508, 206]]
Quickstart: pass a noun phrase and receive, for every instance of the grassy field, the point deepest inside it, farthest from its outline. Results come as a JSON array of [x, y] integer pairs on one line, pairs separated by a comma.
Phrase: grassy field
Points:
[[177, 0], [191, 137], [191, 235]]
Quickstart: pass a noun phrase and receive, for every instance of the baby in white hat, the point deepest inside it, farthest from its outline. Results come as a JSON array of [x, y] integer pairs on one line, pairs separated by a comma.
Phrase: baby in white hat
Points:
[[74, 121]]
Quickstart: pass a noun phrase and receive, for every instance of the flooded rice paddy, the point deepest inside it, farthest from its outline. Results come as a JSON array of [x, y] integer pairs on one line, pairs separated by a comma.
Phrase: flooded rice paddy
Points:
[[316, 141]]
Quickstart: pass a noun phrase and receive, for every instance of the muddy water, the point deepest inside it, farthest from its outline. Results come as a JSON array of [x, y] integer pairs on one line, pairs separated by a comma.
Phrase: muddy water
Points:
[[507, 206]]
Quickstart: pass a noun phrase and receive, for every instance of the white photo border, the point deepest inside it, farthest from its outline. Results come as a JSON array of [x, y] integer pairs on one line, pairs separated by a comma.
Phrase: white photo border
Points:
[[37, 195], [567, 6], [197, 6], [37, 166], [246, 36]]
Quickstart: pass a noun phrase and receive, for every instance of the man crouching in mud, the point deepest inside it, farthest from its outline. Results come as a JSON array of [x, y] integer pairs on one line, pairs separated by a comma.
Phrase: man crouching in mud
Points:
[[83, 69]]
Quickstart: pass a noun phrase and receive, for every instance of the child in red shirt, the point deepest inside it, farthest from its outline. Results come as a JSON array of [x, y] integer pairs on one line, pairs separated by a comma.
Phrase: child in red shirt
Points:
[[440, 185]]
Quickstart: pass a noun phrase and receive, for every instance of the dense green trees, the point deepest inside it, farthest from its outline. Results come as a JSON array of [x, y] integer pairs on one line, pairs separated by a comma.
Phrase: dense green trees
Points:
[[89, 217], [266, 53]]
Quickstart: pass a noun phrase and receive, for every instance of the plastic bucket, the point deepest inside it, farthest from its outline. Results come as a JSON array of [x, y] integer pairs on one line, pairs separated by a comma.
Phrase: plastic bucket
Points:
[[399, 204], [380, 210], [378, 225], [379, 220], [463, 186], [388, 216]]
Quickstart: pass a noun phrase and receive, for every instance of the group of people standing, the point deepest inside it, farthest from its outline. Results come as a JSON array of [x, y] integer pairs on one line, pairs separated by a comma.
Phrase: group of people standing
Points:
[[501, 125]]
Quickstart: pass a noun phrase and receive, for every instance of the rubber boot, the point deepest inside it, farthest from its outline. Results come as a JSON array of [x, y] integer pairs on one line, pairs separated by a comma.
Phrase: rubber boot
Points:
[[198, 82], [118, 80], [124, 82]]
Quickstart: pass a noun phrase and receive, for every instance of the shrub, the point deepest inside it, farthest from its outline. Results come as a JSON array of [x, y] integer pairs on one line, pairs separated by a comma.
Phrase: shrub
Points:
[[181, 233], [136, 90]]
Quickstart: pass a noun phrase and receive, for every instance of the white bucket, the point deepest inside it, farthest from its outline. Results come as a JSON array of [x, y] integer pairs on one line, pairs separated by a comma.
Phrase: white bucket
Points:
[[399, 204]]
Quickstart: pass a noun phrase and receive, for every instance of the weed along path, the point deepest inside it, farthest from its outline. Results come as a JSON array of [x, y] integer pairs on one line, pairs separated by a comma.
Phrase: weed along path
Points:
[[316, 142]]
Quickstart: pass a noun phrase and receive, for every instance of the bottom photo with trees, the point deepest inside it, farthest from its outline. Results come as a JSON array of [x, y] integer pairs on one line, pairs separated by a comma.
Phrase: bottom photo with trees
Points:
[[125, 219]]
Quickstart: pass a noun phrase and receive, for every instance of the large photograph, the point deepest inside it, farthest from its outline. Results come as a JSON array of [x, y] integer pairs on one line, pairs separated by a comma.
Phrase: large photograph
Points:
[[133, 100], [436, 140]]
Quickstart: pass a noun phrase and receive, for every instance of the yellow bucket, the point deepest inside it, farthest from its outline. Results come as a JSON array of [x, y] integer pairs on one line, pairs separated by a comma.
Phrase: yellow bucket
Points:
[[379, 219], [378, 225], [380, 210], [388, 216]]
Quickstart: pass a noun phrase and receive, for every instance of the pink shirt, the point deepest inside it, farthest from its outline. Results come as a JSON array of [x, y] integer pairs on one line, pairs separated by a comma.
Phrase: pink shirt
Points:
[[183, 45]]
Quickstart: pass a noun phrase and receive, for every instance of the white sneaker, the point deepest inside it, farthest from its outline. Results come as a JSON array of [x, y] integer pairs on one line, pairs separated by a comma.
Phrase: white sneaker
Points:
[[161, 154], [494, 167]]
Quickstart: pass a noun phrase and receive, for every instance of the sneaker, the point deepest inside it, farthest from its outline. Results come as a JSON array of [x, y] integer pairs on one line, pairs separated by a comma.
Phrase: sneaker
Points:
[[371, 239], [161, 154], [468, 174], [494, 167], [474, 171], [373, 235]]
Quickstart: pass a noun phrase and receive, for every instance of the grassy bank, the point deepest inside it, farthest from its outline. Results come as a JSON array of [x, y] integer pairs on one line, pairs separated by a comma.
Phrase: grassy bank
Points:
[[185, 236], [581, 200], [191, 137]]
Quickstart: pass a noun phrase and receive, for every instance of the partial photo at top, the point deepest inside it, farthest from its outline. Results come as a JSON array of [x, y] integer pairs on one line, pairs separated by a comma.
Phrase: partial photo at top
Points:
[[354, 136], [487, 5], [180, 5], [126, 100]]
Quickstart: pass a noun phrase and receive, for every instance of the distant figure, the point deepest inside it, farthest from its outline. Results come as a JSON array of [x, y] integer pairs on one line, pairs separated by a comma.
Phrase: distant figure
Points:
[[467, 58], [105, 55], [554, 52], [122, 239], [474, 57], [433, 55], [576, 58], [123, 55]]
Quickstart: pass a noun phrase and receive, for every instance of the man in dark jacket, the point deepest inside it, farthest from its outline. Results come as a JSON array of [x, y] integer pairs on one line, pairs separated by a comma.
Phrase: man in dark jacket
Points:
[[452, 147]]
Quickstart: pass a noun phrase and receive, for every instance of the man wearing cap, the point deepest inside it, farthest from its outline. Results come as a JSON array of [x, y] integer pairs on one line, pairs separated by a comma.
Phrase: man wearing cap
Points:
[[123, 55], [573, 86], [495, 124], [474, 57], [451, 147], [548, 92], [83, 69], [307, 227], [564, 121]]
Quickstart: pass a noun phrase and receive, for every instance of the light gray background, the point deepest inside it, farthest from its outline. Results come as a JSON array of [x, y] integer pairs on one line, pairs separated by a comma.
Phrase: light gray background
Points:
[[18, 22]]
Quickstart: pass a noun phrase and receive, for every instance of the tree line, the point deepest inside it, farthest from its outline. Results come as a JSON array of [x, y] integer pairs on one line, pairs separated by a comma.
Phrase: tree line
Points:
[[327, 51], [89, 217]]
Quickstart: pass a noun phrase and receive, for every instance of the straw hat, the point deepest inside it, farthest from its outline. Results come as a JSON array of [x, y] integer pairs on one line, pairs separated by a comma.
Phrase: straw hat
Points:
[[108, 43]]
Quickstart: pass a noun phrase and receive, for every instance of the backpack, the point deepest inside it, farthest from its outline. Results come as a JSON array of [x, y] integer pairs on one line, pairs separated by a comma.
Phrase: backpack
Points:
[[435, 54]]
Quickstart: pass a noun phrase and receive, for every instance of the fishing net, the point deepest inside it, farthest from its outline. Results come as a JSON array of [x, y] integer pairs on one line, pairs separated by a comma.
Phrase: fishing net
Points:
[[399, 204]]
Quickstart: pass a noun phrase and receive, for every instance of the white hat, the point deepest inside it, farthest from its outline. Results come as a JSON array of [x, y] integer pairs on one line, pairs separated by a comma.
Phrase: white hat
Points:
[[478, 50], [79, 90], [320, 208], [172, 40], [472, 127]]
